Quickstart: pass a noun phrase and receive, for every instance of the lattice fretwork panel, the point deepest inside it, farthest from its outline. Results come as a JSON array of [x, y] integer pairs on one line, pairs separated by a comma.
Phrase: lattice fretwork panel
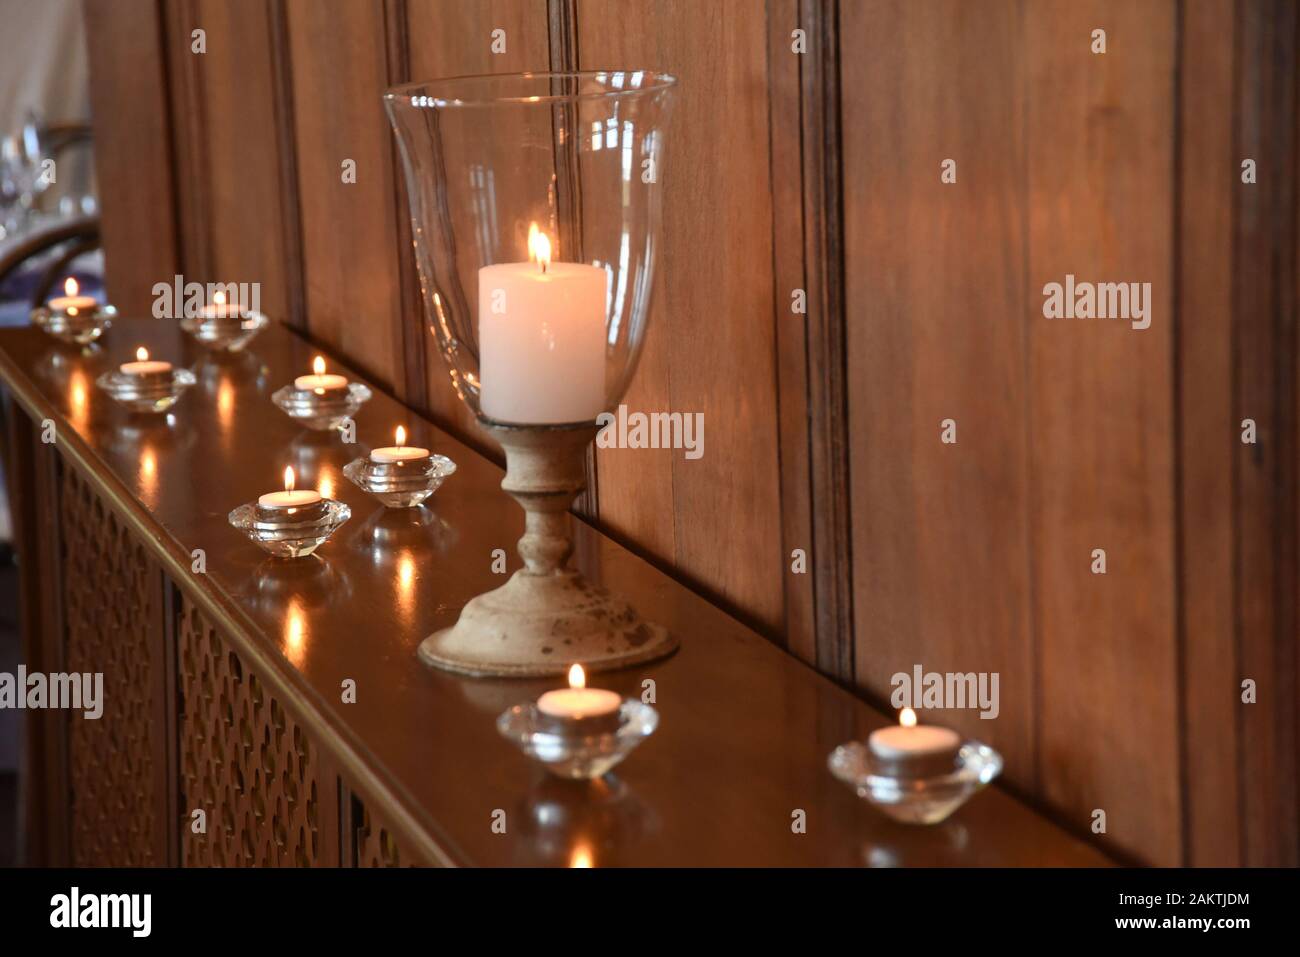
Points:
[[245, 763], [111, 596], [374, 843]]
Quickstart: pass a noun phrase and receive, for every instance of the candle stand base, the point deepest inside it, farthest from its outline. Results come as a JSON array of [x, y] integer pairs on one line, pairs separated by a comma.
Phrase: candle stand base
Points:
[[546, 617]]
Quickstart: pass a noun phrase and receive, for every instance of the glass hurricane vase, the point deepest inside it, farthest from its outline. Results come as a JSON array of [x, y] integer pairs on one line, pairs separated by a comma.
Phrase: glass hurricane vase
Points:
[[535, 208]]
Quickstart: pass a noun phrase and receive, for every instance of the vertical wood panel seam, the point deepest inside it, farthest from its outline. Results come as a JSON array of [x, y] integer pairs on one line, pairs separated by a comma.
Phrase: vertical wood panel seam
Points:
[[828, 399], [1285, 481], [1176, 371], [562, 45], [1290, 524], [411, 325], [170, 146], [1031, 475], [782, 453], [1234, 373], [183, 71], [287, 145]]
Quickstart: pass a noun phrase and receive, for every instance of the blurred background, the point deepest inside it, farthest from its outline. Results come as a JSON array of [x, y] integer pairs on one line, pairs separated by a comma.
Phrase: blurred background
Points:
[[48, 226]]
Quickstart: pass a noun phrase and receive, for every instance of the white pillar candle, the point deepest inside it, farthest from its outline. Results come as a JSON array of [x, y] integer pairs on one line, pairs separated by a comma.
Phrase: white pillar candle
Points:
[[318, 381], [910, 749], [541, 339], [289, 498], [578, 702], [144, 366], [70, 299], [400, 452]]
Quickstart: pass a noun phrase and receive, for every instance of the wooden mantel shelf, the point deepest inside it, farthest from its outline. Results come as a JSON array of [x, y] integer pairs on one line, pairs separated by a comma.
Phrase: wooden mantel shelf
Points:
[[745, 728]]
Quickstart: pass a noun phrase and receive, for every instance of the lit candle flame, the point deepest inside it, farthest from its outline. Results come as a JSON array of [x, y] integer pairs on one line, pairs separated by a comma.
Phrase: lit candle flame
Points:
[[907, 718], [70, 287], [539, 246], [218, 298], [142, 354], [401, 437], [318, 365], [577, 677], [288, 478]]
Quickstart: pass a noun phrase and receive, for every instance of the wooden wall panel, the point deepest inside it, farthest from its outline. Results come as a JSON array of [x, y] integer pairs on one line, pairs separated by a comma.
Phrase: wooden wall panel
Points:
[[1207, 437], [353, 284], [1267, 480], [788, 83], [937, 305], [1100, 147], [710, 346], [133, 159], [233, 119], [447, 38]]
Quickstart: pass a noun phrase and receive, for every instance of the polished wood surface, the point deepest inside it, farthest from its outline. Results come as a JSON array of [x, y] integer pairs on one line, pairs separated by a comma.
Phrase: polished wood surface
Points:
[[745, 727]]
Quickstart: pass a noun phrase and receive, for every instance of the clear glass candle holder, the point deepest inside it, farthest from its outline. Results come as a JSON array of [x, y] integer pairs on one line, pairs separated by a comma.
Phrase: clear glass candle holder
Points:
[[535, 203], [78, 327], [225, 333], [151, 393], [568, 754], [290, 532], [915, 800], [322, 410], [403, 484]]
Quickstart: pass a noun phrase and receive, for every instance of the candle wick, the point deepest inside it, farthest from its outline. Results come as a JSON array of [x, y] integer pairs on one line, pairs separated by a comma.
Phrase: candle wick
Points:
[[543, 267]]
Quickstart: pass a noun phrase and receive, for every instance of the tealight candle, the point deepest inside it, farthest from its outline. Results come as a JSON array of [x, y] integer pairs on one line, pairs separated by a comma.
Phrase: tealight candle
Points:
[[289, 498], [318, 381], [399, 453], [70, 301], [144, 366], [911, 750], [220, 309], [580, 709]]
